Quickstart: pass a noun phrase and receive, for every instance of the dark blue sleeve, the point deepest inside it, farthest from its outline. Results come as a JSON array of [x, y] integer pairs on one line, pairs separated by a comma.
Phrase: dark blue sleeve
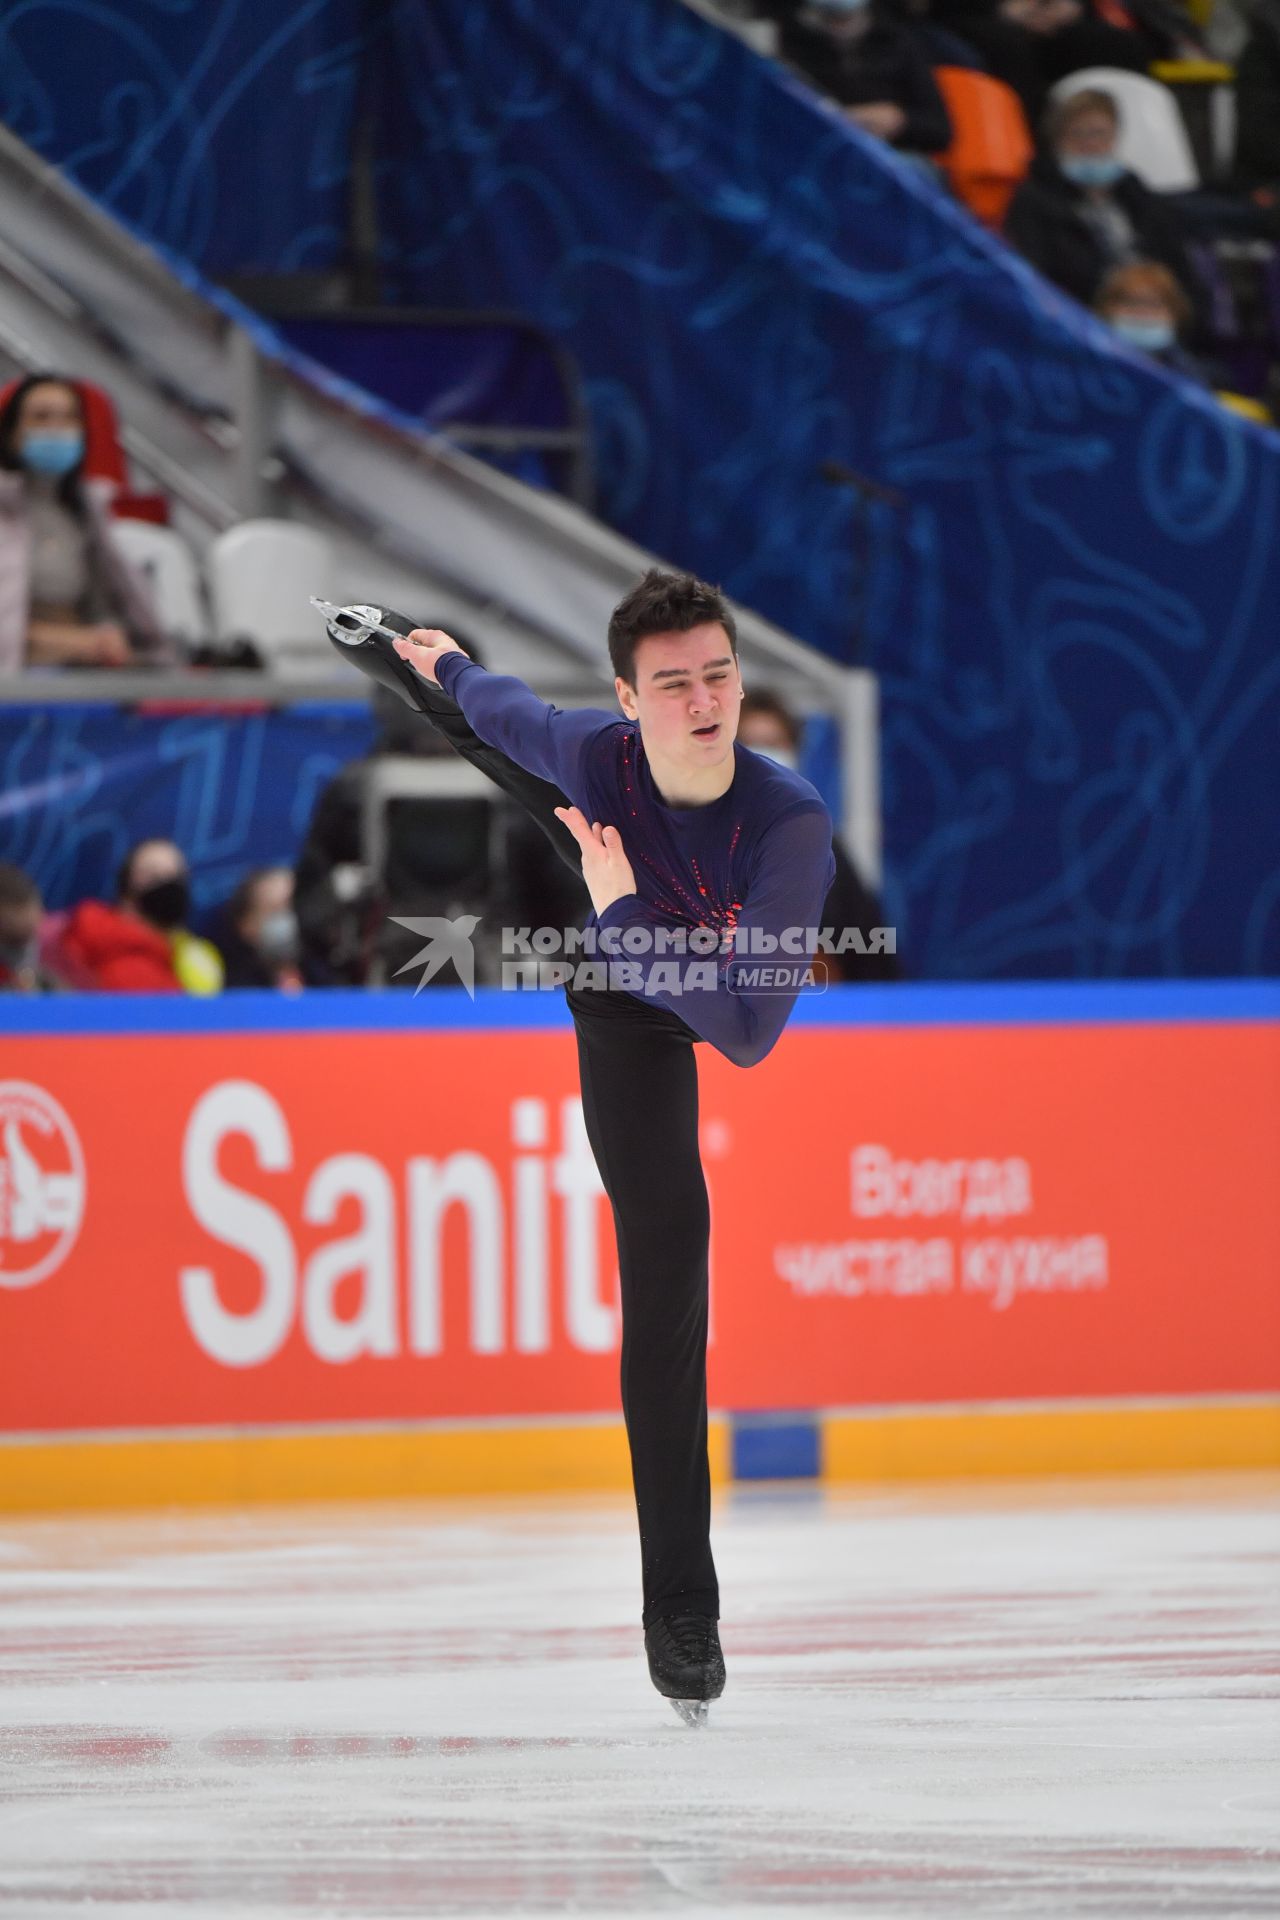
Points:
[[740, 1017], [541, 738]]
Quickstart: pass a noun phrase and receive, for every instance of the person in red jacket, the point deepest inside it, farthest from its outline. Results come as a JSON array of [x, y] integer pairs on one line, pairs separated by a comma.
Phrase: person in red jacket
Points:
[[128, 947], [113, 951]]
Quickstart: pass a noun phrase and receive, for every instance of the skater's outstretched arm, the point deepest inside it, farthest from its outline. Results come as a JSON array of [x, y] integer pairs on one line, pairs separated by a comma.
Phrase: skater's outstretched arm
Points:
[[544, 739], [792, 876]]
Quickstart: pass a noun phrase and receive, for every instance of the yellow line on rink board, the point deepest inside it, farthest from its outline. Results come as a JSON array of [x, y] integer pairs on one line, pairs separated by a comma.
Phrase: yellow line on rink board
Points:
[[321, 1464], [233, 1466], [886, 1444]]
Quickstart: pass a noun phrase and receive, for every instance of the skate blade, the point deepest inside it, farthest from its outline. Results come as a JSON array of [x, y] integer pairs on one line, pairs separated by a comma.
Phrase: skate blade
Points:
[[352, 626], [692, 1712]]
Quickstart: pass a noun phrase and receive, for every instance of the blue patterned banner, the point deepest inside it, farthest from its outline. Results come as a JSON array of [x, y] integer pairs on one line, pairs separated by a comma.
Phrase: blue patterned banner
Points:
[[1074, 604], [1075, 608], [79, 786], [220, 127]]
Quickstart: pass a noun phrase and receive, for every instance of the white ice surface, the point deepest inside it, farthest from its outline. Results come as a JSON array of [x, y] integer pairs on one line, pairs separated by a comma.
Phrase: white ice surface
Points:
[[1028, 1701]]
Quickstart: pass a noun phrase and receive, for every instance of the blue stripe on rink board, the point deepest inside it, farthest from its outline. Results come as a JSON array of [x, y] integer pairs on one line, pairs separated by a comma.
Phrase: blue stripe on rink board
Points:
[[1011, 1003], [446, 1009], [776, 1446], [254, 1010]]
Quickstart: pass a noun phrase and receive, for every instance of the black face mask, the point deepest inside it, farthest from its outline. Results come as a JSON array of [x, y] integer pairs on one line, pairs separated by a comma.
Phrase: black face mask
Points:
[[165, 904]]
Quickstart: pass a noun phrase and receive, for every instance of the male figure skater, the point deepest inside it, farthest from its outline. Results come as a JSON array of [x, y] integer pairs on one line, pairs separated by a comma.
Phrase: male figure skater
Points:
[[676, 827]]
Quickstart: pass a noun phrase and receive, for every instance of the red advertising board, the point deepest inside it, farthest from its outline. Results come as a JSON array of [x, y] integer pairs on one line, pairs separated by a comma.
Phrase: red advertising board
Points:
[[1003, 1213], [201, 1229]]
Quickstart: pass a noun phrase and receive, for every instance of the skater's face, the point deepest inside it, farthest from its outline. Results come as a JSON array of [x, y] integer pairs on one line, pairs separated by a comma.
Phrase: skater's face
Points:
[[686, 696]]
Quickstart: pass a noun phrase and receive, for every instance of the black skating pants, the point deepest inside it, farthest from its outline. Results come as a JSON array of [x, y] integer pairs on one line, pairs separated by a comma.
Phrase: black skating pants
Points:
[[639, 1083]]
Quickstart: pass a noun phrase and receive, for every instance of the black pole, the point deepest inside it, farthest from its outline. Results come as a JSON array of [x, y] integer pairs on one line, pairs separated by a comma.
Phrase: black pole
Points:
[[867, 494]]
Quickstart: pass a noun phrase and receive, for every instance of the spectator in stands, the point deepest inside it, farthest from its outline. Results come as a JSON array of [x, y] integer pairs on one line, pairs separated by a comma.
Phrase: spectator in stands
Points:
[[940, 46], [67, 595], [1080, 212], [22, 969], [861, 56], [1146, 306], [767, 725], [1031, 43], [1258, 99], [260, 942], [142, 943]]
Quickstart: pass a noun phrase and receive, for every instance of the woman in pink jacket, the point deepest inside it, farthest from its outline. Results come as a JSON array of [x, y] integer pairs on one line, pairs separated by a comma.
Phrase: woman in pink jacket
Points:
[[67, 595]]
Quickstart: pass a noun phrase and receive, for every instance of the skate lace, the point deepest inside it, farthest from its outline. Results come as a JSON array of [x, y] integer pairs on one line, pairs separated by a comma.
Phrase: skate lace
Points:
[[690, 1633]]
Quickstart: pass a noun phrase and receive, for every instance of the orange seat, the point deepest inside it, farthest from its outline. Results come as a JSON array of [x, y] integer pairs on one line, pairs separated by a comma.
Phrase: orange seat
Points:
[[991, 144]]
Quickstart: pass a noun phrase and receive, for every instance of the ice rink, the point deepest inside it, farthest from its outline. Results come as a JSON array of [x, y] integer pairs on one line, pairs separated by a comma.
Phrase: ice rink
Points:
[[1018, 1700]]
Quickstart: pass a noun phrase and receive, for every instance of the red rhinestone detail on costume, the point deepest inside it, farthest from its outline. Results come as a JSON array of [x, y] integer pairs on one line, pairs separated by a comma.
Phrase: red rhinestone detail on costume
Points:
[[668, 891]]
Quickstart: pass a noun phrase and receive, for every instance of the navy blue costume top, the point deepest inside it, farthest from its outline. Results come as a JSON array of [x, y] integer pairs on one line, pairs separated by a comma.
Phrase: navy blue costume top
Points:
[[757, 858]]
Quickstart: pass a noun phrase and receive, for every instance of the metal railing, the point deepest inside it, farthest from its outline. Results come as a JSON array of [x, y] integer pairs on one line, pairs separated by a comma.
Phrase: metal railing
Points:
[[572, 441], [250, 429]]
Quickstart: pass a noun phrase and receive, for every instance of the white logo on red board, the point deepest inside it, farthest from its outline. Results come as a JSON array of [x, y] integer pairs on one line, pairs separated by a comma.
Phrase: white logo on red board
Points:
[[42, 1184]]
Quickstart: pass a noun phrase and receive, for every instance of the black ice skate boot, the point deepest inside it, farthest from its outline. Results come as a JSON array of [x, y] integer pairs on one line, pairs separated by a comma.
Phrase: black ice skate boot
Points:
[[366, 637], [686, 1664]]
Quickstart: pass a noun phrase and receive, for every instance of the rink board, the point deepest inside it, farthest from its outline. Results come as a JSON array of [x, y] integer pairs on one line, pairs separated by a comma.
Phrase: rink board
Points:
[[356, 1243]]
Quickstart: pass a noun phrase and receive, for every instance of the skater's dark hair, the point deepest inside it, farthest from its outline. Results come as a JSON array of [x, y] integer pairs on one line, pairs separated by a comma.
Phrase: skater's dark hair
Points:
[[664, 603]]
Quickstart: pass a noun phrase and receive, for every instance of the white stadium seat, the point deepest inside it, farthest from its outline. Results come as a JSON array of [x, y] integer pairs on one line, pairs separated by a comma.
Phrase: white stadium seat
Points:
[[262, 575], [168, 566]]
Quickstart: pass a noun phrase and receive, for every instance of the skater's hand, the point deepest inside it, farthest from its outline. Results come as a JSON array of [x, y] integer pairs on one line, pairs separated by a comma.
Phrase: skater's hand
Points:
[[423, 648], [605, 867]]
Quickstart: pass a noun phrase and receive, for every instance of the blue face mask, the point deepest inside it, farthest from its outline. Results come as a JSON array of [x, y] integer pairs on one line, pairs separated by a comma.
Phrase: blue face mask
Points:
[[52, 453], [1150, 336], [1091, 169], [278, 936]]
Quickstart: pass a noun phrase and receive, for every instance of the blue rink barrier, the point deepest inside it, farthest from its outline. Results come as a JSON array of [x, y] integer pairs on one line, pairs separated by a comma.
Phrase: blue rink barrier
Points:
[[357, 1010]]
